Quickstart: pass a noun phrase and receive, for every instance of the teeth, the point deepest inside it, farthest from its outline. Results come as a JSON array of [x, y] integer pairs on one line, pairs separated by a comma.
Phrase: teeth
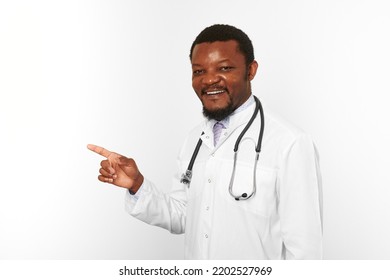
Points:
[[214, 92]]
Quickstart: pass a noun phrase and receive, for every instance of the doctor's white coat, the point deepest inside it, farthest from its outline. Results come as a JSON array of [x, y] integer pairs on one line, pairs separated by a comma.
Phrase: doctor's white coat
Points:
[[282, 221]]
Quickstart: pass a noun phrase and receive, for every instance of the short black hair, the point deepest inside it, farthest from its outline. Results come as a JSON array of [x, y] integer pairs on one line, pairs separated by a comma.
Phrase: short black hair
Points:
[[224, 32]]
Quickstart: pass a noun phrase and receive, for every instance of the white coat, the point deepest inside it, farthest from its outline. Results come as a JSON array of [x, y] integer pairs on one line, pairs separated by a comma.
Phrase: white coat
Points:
[[282, 221]]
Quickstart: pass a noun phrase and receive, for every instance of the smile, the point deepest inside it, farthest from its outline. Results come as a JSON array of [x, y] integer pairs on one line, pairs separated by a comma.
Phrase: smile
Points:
[[214, 92]]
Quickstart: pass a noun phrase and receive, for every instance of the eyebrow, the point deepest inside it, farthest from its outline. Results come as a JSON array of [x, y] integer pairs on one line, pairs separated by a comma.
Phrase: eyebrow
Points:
[[221, 61]]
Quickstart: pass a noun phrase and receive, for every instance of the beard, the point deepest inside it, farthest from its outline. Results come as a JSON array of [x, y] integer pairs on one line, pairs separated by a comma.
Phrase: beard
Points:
[[219, 114]]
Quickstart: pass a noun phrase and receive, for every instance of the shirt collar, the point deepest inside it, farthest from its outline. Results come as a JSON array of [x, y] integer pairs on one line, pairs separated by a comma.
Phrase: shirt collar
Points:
[[238, 117], [244, 106]]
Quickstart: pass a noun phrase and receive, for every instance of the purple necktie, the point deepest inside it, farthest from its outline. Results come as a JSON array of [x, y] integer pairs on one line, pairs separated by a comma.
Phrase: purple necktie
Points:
[[217, 129]]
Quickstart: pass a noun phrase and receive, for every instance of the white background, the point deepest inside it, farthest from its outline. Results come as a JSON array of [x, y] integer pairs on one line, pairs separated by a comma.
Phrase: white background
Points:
[[117, 74]]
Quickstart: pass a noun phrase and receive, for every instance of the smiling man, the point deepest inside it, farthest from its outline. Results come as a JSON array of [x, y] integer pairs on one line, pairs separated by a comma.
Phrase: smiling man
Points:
[[221, 77], [230, 200]]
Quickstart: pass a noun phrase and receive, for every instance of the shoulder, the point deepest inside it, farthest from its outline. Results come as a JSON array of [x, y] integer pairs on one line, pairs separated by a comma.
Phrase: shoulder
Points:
[[282, 135], [276, 124], [192, 139]]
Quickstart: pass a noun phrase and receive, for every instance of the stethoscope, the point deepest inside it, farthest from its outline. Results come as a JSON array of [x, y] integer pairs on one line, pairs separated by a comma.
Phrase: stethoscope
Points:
[[186, 177]]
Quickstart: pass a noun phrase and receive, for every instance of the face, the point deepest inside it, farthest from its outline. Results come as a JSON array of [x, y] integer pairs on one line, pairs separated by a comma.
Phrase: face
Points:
[[220, 77]]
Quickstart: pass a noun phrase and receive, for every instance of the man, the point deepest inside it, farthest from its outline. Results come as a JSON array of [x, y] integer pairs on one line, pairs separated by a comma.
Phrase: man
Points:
[[278, 215]]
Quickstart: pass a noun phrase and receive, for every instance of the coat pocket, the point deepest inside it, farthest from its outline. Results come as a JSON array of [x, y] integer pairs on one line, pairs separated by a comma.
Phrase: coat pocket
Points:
[[264, 201]]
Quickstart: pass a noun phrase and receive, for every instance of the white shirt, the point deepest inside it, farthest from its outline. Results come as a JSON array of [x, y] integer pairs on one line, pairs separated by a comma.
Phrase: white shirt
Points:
[[282, 221]]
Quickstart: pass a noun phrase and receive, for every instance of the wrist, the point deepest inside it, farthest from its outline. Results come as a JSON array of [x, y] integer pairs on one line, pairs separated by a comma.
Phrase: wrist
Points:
[[137, 184]]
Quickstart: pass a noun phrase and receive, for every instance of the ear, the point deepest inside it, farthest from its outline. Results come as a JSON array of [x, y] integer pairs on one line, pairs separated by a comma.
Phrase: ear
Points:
[[252, 69]]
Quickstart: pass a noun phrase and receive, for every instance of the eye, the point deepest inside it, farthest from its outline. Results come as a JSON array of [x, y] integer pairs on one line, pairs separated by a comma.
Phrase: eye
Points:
[[197, 72], [226, 68]]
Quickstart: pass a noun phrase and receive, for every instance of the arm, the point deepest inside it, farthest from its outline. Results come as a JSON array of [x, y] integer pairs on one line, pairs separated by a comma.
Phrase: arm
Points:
[[300, 200], [159, 209]]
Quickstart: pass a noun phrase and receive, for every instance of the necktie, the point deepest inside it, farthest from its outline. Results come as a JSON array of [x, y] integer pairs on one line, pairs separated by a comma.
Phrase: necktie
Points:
[[217, 129]]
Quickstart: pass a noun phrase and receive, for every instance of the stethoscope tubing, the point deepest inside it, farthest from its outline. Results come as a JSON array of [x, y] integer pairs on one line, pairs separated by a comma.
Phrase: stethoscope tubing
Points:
[[245, 196], [186, 177]]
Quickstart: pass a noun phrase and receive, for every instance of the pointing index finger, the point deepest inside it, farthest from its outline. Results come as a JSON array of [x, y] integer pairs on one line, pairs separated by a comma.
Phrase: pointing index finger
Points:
[[99, 150]]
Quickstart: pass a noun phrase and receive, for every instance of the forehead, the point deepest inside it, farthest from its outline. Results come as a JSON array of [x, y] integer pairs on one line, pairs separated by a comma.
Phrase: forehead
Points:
[[217, 51]]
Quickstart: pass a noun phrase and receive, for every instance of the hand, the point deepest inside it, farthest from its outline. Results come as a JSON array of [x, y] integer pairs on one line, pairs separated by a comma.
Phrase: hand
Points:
[[118, 170]]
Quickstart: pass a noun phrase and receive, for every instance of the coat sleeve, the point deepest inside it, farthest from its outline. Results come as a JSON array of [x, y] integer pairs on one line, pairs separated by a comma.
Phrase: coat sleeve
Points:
[[166, 210], [300, 200], [159, 209]]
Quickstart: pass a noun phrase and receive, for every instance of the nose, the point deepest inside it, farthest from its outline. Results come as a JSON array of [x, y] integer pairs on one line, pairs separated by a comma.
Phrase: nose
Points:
[[211, 78]]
